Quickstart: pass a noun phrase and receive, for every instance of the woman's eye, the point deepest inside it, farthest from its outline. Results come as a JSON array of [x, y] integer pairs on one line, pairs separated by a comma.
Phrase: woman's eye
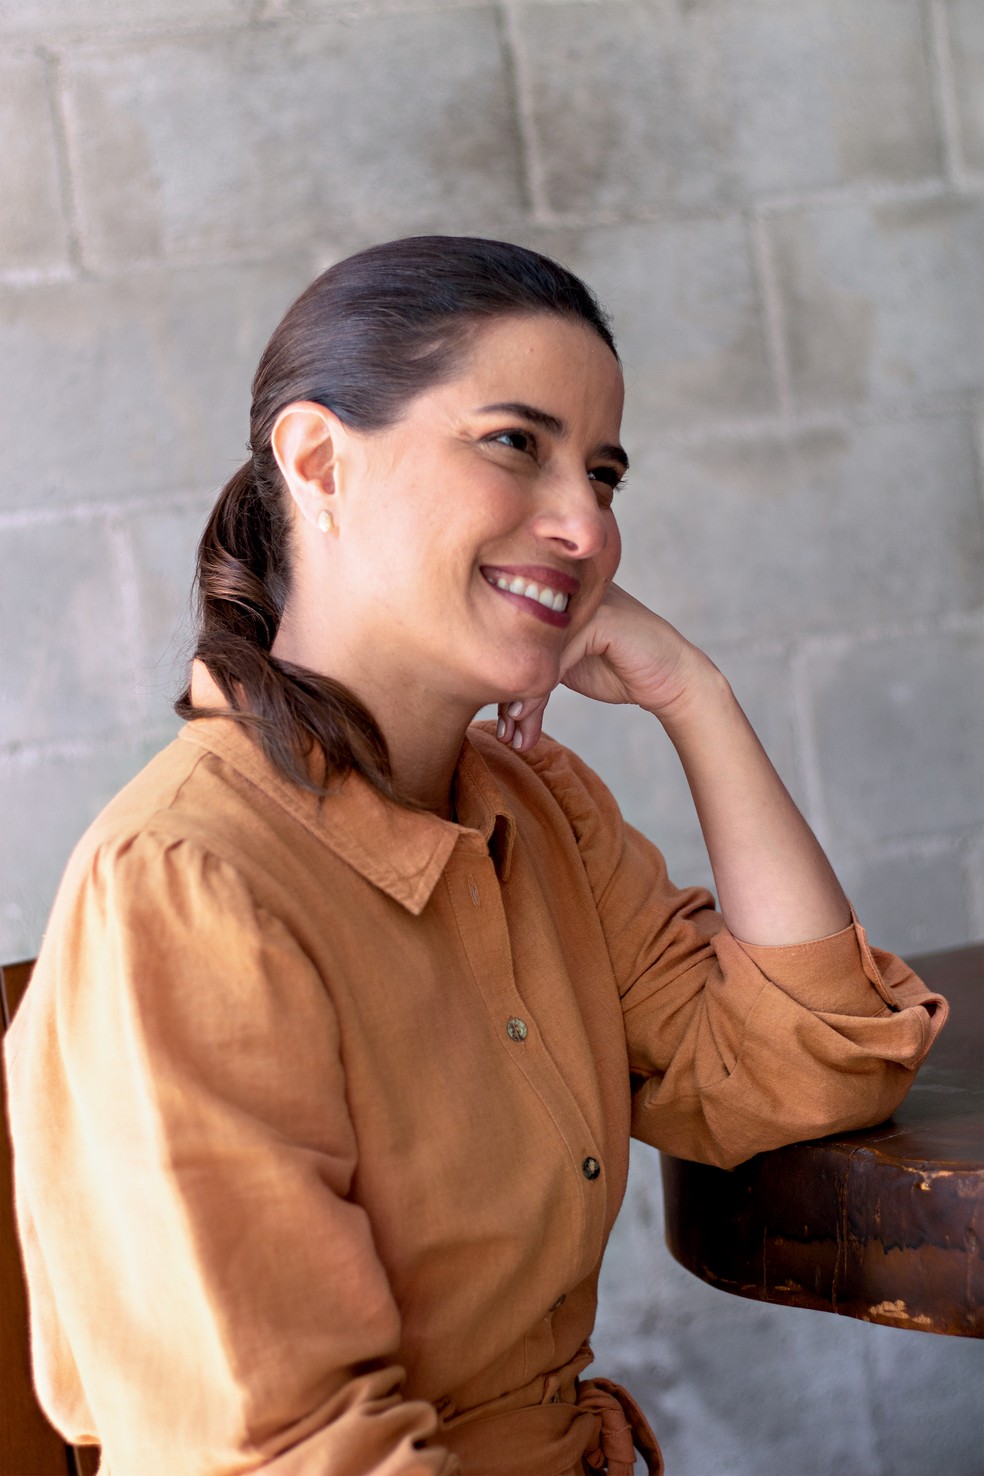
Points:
[[610, 477], [516, 440]]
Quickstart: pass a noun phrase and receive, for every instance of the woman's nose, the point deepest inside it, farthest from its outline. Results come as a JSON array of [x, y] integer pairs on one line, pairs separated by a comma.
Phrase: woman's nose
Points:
[[571, 515]]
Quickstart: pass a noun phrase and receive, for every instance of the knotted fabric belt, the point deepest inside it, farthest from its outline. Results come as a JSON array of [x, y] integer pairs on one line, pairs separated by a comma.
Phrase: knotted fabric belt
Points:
[[624, 1430], [558, 1425]]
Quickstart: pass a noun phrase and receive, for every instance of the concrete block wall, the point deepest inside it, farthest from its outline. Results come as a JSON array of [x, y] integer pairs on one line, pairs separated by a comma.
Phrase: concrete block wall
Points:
[[782, 203]]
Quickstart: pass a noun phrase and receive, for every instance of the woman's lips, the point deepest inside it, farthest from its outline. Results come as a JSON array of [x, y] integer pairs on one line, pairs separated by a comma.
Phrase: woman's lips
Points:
[[544, 592]]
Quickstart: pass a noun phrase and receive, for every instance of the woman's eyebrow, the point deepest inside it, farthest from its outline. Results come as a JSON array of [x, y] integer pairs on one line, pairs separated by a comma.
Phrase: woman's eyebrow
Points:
[[611, 452], [550, 423], [542, 418]]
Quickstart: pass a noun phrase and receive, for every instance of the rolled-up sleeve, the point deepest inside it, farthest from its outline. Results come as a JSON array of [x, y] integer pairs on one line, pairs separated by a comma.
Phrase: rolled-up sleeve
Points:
[[735, 1048], [183, 1176], [780, 1044]]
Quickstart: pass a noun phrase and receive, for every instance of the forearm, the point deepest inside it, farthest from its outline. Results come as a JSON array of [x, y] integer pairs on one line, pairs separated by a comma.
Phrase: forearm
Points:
[[775, 885]]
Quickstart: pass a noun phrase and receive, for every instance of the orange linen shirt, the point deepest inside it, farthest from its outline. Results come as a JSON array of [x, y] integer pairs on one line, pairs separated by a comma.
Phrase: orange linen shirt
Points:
[[321, 1111]]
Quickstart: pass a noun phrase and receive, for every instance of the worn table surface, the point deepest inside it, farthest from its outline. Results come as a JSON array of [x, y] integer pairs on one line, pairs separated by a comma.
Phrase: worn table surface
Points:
[[885, 1224]]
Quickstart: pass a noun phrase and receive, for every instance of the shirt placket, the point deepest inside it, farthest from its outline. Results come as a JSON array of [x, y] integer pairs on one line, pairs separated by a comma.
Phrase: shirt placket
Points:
[[476, 898]]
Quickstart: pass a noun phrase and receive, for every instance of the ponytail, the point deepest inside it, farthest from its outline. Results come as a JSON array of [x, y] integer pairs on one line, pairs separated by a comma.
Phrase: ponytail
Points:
[[241, 590]]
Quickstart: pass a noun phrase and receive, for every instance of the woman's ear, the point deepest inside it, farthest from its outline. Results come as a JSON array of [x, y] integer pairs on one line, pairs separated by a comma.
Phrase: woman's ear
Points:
[[303, 444]]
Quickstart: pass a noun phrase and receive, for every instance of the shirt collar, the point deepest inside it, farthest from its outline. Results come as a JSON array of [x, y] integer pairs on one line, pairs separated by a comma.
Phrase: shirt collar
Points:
[[402, 852]]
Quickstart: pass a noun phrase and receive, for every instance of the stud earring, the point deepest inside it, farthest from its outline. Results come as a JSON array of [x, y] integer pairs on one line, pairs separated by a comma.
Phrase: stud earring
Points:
[[325, 521]]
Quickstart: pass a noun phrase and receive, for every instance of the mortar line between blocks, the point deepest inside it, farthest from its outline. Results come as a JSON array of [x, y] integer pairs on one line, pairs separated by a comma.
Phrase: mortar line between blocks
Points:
[[66, 178], [382, 222], [91, 37], [927, 847], [534, 184], [849, 196], [945, 92], [34, 754], [763, 260], [979, 452], [80, 39], [174, 264], [833, 418], [101, 511], [837, 641], [20, 278]]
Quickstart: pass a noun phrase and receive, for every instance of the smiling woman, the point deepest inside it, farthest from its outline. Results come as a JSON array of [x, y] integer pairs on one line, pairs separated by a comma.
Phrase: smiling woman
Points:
[[474, 537], [348, 1006]]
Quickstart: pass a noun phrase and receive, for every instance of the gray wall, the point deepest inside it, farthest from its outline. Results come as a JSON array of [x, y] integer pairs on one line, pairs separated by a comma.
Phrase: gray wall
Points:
[[781, 201]]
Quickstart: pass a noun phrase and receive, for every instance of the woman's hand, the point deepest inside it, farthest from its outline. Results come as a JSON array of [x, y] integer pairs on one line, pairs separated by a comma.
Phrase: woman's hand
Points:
[[774, 883], [625, 654]]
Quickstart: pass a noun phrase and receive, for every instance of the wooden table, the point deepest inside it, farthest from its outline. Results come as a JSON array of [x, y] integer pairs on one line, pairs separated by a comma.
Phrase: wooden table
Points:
[[886, 1224]]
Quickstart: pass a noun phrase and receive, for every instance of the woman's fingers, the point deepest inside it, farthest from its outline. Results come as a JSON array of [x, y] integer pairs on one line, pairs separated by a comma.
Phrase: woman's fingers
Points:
[[505, 727], [521, 722]]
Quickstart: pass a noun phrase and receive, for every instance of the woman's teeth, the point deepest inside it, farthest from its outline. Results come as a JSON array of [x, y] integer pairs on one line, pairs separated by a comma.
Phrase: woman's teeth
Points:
[[552, 598]]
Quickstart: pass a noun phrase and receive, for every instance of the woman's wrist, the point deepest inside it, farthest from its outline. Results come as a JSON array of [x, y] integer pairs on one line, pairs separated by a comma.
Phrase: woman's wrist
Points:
[[702, 695]]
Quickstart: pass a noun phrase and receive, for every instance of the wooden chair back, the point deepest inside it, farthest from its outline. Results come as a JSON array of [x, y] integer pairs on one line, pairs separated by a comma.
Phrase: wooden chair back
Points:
[[28, 1444]]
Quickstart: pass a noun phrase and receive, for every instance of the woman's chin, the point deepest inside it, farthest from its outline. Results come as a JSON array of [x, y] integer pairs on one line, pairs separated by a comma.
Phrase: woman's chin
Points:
[[525, 679]]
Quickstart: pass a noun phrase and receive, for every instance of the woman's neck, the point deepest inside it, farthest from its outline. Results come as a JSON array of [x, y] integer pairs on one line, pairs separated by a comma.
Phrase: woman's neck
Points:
[[423, 724], [424, 743]]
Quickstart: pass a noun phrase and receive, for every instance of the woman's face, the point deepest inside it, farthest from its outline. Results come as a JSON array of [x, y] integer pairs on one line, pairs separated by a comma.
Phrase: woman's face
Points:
[[477, 533]]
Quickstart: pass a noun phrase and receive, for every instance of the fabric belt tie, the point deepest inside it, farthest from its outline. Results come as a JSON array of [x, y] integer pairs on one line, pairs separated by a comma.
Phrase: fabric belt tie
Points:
[[558, 1423], [622, 1431]]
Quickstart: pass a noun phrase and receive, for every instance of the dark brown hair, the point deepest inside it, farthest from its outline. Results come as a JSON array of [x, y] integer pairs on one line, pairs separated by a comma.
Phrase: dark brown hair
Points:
[[367, 337]]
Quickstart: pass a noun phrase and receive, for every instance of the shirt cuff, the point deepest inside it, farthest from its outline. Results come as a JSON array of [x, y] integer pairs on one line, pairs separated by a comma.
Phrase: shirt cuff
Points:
[[844, 975]]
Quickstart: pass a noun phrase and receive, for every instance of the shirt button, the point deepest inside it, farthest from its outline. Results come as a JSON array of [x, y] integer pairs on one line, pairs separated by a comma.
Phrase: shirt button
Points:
[[474, 893], [516, 1028], [591, 1168]]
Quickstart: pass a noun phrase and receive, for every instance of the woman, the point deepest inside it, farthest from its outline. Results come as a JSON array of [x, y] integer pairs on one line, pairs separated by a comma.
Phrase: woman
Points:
[[347, 1008]]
